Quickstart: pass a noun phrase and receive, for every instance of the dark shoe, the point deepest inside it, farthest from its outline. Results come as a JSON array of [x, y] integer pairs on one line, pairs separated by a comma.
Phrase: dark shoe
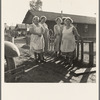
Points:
[[55, 54], [31, 58], [42, 61], [36, 61]]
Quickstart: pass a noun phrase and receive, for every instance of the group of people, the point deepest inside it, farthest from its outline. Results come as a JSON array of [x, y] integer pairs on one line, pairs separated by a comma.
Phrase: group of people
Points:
[[65, 37]]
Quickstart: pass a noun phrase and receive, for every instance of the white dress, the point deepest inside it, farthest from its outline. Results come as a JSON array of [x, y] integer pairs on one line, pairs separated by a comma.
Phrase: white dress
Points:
[[57, 42], [36, 42], [68, 40]]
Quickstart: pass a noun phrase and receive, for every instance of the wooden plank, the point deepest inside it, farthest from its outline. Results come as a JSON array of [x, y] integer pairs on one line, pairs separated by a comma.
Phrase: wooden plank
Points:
[[91, 54], [85, 41], [15, 70]]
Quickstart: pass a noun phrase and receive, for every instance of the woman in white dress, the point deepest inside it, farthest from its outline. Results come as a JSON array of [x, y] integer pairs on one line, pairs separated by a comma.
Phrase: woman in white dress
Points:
[[58, 35], [69, 36], [43, 19], [37, 40]]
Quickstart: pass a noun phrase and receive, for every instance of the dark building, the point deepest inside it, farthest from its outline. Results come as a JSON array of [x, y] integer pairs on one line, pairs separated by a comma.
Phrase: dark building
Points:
[[86, 26], [22, 28]]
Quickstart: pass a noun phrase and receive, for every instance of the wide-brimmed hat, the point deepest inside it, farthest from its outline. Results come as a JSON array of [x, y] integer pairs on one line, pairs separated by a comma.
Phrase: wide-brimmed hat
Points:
[[58, 18], [68, 18], [43, 17], [35, 17]]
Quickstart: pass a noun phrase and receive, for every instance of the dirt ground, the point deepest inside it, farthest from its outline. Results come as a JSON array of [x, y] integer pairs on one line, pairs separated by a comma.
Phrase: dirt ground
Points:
[[54, 70]]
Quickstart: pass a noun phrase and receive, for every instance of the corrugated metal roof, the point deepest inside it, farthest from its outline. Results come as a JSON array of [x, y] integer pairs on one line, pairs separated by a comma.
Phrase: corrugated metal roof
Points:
[[52, 16]]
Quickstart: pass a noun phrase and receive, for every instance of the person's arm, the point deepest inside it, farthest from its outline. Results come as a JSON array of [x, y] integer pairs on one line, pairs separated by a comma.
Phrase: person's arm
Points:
[[46, 26], [62, 29], [32, 31], [55, 31], [75, 32]]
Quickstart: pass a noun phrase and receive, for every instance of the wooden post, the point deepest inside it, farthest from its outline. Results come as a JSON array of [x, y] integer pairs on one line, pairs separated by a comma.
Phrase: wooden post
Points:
[[77, 51], [82, 51], [91, 54]]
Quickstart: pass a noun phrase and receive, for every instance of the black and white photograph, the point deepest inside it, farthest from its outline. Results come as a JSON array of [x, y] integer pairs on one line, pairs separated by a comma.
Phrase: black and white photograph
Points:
[[50, 41]]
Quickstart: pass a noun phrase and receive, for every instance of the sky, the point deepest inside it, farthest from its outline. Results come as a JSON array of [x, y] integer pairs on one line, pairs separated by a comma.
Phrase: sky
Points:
[[14, 11]]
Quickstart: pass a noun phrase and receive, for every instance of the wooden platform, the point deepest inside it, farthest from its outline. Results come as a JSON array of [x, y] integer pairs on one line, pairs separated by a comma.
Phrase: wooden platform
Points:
[[53, 70]]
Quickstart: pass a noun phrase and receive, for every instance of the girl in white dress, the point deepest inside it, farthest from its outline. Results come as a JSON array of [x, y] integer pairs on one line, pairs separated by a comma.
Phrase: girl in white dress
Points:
[[37, 40], [58, 35], [68, 43]]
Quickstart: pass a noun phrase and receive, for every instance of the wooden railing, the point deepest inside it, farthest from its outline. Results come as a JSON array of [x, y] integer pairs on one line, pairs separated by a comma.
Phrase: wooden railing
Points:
[[80, 45], [91, 51]]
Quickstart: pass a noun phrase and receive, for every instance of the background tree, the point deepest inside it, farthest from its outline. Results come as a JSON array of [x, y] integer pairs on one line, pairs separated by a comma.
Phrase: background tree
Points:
[[36, 5]]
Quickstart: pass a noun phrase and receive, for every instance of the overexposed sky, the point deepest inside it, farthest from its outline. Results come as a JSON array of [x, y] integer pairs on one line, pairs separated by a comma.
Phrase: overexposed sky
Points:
[[14, 11]]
